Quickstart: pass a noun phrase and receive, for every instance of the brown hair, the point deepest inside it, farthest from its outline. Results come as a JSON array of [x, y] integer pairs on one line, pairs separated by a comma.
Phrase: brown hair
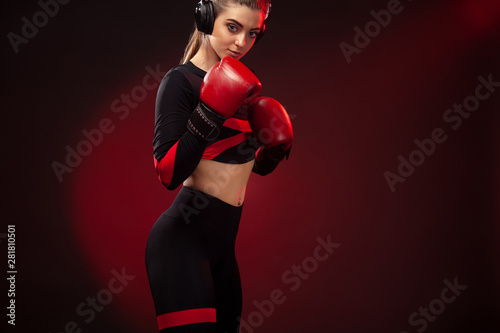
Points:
[[198, 38]]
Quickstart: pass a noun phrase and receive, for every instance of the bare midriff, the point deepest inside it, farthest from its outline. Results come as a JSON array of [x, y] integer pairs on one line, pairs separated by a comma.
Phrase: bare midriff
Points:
[[224, 181]]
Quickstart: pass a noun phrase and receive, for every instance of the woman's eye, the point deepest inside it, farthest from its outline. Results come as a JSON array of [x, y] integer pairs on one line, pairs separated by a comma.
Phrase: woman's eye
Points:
[[232, 27], [253, 34]]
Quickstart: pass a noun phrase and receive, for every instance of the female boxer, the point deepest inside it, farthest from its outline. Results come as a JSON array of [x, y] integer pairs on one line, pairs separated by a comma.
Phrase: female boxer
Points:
[[211, 131]]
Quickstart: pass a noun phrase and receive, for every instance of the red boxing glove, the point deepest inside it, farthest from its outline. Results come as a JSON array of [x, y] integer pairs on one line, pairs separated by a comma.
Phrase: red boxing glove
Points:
[[272, 127], [226, 86]]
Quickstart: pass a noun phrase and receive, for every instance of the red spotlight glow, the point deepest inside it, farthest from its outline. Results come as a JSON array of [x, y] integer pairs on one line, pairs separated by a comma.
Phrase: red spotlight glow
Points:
[[116, 198], [480, 15]]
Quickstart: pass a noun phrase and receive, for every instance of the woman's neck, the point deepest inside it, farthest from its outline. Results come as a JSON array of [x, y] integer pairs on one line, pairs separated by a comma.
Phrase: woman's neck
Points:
[[205, 58]]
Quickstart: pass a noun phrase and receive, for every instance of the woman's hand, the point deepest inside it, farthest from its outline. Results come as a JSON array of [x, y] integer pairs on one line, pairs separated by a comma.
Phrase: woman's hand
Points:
[[272, 127], [226, 86]]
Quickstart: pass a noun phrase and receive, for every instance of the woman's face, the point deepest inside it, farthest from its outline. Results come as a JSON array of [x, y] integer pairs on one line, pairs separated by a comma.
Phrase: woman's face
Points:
[[235, 30]]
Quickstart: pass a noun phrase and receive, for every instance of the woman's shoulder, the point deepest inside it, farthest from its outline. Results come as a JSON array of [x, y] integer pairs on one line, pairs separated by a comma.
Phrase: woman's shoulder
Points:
[[185, 74], [189, 68]]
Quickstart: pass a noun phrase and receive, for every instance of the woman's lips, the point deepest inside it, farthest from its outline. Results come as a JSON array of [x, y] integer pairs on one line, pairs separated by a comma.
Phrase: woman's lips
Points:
[[235, 54]]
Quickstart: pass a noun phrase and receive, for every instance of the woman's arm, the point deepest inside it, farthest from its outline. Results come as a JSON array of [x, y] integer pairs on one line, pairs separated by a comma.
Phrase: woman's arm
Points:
[[177, 152], [182, 135]]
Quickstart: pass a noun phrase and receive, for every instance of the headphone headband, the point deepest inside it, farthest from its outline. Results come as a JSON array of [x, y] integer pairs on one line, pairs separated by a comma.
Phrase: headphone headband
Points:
[[205, 18]]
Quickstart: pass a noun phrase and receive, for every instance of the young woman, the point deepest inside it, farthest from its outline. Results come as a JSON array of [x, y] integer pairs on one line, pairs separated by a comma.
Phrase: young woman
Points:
[[211, 131]]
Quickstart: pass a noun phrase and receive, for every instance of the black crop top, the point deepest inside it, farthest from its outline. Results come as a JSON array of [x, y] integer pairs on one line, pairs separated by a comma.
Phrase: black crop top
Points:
[[177, 151], [178, 96]]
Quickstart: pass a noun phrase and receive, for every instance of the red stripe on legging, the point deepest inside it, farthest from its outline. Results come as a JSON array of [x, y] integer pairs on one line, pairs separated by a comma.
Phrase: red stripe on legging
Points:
[[186, 317]]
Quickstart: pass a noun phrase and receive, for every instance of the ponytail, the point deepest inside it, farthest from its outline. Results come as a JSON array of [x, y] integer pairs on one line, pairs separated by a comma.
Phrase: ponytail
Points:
[[195, 42]]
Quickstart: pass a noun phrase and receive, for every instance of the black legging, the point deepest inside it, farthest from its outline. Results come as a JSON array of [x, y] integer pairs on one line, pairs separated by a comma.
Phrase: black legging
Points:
[[191, 265]]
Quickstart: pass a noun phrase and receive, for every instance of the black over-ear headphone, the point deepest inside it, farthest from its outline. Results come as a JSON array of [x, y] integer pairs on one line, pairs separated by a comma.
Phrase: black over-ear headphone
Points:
[[205, 18]]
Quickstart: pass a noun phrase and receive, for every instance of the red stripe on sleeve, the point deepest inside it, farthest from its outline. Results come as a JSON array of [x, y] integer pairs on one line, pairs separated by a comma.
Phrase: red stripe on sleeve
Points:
[[165, 168], [238, 124], [186, 317]]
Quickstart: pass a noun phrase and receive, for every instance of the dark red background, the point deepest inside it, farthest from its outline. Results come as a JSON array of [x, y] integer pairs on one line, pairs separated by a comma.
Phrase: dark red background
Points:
[[351, 123]]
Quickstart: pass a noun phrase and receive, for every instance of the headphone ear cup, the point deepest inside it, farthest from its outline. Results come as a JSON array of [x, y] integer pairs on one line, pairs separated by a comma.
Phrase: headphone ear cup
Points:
[[205, 16], [260, 34]]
